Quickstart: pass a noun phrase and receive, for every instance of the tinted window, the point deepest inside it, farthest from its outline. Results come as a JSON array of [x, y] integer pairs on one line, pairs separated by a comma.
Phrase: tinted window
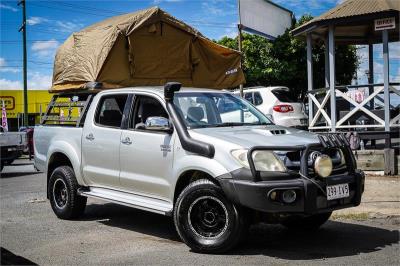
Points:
[[145, 107], [110, 110], [257, 98], [249, 97], [284, 96]]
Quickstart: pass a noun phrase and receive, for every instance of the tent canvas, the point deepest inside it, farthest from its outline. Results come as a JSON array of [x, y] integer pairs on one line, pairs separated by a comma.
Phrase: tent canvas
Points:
[[148, 47]]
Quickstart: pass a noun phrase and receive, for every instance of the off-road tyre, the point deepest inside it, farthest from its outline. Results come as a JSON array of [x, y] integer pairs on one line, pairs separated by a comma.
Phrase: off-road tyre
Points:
[[63, 194], [306, 223], [206, 220]]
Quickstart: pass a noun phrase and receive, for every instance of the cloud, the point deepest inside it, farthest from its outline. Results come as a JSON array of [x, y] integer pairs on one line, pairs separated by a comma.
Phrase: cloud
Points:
[[68, 26], [4, 68], [13, 9], [36, 81], [156, 2], [230, 33], [218, 8], [36, 20], [6, 84], [45, 48]]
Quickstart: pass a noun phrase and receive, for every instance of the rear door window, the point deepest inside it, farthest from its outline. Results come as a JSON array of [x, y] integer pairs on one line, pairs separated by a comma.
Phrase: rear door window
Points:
[[257, 98], [284, 96], [110, 110]]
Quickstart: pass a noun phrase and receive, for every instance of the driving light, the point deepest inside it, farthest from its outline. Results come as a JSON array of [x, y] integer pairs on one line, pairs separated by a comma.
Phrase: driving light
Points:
[[263, 160], [289, 196], [323, 165]]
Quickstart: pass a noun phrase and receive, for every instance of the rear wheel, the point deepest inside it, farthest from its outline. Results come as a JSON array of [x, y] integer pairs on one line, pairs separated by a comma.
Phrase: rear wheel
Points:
[[309, 223], [63, 192], [205, 220]]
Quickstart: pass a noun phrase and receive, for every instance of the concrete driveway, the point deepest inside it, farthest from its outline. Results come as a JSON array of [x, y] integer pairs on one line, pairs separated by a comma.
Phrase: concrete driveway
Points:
[[112, 234]]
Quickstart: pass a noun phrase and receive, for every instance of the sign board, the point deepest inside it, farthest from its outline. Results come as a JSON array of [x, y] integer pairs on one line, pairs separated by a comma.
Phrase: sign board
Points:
[[385, 23], [265, 18], [9, 102]]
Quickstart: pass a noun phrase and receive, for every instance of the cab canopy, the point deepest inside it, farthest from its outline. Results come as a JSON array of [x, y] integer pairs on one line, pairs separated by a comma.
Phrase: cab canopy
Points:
[[148, 47]]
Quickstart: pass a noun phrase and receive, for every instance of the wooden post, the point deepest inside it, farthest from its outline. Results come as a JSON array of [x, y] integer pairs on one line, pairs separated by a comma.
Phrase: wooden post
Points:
[[386, 79], [309, 77], [331, 38], [371, 72], [326, 62]]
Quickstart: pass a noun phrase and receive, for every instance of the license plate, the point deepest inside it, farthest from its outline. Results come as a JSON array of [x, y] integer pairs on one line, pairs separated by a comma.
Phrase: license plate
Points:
[[337, 191]]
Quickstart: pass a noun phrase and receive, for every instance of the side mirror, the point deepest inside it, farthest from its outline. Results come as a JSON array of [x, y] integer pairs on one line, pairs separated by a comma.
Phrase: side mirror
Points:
[[158, 123]]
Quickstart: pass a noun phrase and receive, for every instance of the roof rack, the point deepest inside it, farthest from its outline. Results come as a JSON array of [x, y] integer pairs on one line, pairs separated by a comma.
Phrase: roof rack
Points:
[[68, 108]]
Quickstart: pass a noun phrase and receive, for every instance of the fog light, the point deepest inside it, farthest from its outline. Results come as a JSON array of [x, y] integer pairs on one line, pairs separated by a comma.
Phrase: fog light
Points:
[[289, 196], [323, 165]]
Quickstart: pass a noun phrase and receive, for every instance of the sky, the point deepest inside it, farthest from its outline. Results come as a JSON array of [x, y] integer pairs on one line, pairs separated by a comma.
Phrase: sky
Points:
[[51, 22]]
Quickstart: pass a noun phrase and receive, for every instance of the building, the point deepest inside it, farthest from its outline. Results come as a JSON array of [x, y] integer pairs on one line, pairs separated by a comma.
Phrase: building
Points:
[[14, 102]]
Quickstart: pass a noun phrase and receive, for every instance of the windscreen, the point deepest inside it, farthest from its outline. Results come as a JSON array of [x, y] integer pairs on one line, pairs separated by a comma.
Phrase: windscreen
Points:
[[204, 109]]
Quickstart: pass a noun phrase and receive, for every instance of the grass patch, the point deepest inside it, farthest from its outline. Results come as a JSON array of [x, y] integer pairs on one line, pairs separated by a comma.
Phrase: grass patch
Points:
[[351, 216]]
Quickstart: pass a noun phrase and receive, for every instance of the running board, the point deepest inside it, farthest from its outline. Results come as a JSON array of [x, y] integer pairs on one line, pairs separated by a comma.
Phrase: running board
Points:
[[128, 199]]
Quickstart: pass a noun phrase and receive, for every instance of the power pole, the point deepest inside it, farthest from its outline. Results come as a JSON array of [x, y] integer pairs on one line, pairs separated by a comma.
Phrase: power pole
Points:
[[23, 29], [240, 46]]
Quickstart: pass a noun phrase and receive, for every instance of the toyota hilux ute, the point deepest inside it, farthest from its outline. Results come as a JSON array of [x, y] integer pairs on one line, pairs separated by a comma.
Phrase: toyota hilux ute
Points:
[[173, 151]]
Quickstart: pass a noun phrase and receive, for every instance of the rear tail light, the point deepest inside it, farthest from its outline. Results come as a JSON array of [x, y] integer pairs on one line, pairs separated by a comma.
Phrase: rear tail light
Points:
[[283, 108]]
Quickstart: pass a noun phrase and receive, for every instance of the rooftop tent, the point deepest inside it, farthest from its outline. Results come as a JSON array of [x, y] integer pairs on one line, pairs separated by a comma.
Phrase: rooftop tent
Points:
[[148, 47]]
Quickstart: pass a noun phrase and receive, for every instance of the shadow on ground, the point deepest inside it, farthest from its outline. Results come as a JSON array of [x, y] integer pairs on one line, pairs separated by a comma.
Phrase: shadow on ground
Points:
[[9, 258], [127, 218], [334, 239], [17, 174]]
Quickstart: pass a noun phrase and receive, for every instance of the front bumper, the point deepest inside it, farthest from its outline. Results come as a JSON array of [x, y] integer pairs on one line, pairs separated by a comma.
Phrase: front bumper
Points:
[[256, 195], [9, 153], [253, 189]]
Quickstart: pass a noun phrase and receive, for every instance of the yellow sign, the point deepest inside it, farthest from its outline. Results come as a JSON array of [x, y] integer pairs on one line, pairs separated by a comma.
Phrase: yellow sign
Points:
[[14, 101]]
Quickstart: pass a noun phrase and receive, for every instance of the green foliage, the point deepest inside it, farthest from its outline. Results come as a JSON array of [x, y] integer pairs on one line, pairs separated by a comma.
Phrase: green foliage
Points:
[[283, 61]]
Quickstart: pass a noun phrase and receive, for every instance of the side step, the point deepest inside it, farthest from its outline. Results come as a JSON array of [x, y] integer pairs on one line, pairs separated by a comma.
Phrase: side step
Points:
[[129, 199]]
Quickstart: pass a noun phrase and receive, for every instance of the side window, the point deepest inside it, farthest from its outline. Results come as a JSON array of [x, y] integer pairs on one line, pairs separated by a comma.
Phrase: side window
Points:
[[249, 97], [257, 98], [110, 110], [145, 107]]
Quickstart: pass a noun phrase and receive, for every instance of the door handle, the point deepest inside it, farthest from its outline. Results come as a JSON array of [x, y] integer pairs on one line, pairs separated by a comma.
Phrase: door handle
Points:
[[90, 137], [126, 141]]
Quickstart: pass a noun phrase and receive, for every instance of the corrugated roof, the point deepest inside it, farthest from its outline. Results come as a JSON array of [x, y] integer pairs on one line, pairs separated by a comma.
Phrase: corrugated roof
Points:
[[351, 8]]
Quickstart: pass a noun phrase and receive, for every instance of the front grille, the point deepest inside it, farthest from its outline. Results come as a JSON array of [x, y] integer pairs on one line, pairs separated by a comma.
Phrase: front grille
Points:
[[292, 159]]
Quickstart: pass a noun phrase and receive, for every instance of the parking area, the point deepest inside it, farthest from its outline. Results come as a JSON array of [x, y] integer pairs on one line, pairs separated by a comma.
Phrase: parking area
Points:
[[113, 234]]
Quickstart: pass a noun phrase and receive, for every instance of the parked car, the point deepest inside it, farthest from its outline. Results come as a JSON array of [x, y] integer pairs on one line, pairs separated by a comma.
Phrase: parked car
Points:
[[12, 145], [172, 152], [277, 104], [29, 137]]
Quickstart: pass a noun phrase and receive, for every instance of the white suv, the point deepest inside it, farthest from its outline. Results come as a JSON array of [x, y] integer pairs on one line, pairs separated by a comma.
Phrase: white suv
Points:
[[277, 104]]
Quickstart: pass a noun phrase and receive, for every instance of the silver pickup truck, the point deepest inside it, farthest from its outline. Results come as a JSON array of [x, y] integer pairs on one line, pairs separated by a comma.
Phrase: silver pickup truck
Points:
[[208, 158], [12, 145]]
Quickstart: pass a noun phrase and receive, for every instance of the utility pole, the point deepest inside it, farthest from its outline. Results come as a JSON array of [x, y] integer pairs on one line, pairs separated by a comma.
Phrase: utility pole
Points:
[[240, 46], [23, 29]]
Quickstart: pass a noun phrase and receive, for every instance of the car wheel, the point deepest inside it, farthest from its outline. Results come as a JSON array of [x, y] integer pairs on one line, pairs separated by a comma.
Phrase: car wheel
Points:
[[205, 220], [308, 223], [64, 198]]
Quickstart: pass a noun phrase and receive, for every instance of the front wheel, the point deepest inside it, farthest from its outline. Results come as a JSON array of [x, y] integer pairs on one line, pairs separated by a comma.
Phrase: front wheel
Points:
[[205, 220], [63, 192], [308, 223]]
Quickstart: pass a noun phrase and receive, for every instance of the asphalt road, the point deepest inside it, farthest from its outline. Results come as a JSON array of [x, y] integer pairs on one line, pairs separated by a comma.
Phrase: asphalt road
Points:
[[112, 234]]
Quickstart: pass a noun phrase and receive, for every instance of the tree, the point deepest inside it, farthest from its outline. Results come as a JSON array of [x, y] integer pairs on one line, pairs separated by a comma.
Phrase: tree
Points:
[[283, 61]]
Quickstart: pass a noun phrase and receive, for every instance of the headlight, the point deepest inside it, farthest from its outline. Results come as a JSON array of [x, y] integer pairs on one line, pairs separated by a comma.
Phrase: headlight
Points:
[[263, 160], [323, 165]]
